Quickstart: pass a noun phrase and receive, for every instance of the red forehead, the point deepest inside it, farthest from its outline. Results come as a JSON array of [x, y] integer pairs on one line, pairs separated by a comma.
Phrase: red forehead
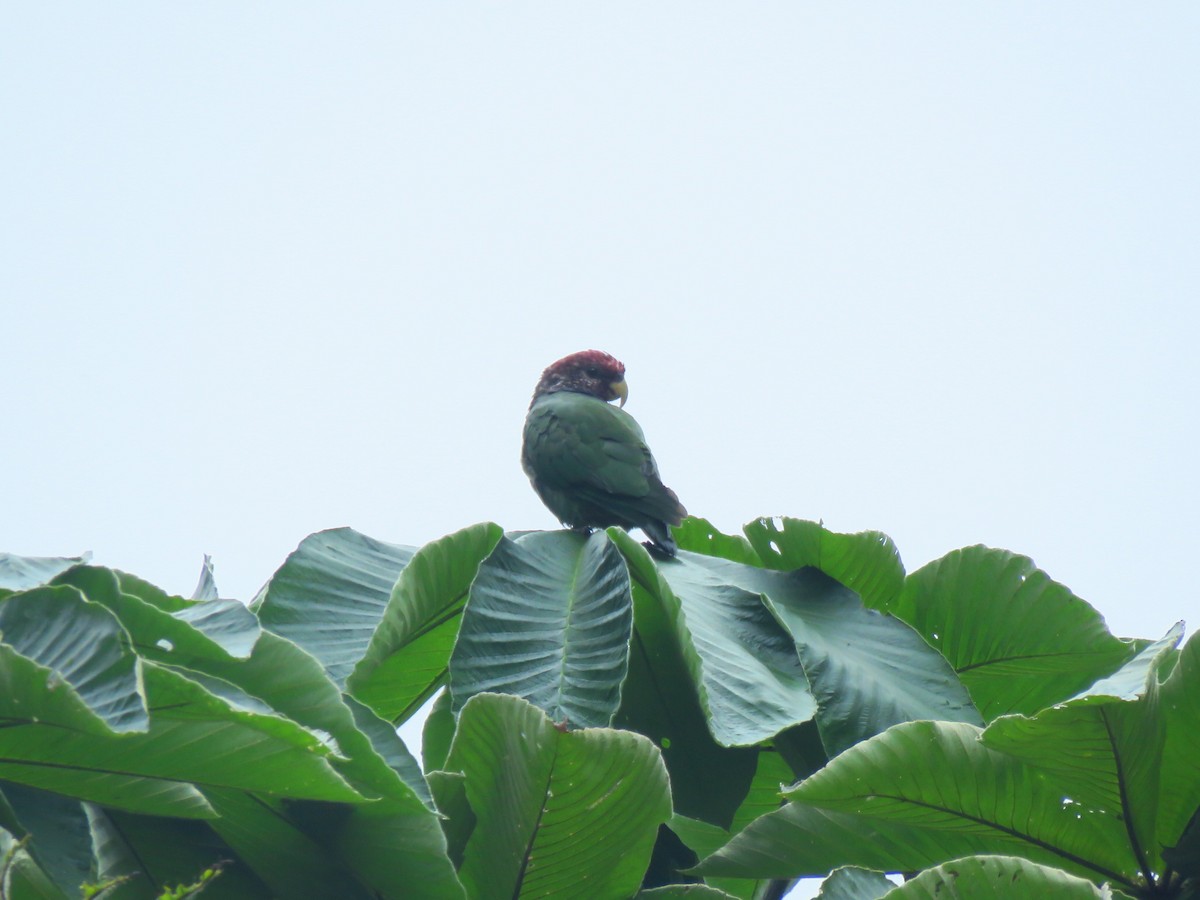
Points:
[[597, 358]]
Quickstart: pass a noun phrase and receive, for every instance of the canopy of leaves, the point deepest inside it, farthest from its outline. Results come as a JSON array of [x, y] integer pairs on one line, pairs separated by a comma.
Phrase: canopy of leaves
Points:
[[781, 703]]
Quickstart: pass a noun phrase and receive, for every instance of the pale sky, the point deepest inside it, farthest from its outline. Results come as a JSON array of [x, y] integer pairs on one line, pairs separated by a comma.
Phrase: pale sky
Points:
[[928, 269]]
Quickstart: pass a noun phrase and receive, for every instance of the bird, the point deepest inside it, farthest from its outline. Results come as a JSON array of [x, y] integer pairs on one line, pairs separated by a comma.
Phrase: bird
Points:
[[588, 459]]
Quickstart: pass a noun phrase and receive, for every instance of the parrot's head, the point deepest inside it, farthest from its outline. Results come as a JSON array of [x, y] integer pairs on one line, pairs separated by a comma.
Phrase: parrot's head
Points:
[[591, 372]]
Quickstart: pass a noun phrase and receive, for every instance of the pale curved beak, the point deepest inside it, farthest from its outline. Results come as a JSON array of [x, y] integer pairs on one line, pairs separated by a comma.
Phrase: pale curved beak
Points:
[[621, 390]]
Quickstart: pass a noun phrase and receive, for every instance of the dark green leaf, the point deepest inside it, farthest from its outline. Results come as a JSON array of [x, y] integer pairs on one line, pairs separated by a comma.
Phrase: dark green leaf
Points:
[[57, 651], [660, 700], [21, 878], [868, 670], [1184, 857], [548, 619], [743, 663], [159, 853], [59, 840], [330, 594]]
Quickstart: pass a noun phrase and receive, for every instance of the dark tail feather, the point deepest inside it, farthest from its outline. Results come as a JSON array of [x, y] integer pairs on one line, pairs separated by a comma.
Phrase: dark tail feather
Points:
[[660, 538]]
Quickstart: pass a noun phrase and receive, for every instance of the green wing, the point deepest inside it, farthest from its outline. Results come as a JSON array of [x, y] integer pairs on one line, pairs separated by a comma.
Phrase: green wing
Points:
[[589, 461]]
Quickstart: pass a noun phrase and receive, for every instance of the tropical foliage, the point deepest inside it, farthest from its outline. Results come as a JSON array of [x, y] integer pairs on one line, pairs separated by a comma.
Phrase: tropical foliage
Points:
[[601, 722]]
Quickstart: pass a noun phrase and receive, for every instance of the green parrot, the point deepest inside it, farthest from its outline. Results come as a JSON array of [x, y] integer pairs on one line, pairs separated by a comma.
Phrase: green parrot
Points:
[[588, 460]]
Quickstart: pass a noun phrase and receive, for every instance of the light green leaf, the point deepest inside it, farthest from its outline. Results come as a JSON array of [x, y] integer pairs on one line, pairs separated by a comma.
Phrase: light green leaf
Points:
[[406, 659], [437, 733], [206, 586], [1103, 748], [573, 814], [851, 883], [868, 563], [999, 877], [1018, 640], [548, 619], [330, 594], [701, 536], [20, 573]]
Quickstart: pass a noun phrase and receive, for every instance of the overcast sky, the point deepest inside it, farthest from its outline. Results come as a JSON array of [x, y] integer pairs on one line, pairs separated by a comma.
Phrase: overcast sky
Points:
[[929, 269]]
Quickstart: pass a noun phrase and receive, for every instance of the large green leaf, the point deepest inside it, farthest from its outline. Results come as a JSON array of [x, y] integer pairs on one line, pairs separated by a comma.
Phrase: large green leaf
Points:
[[194, 736], [1104, 749], [548, 619], [867, 670], [1019, 641], [742, 662], [568, 813], [58, 652], [406, 659], [868, 562], [659, 699], [330, 593], [394, 839], [916, 796], [999, 877]]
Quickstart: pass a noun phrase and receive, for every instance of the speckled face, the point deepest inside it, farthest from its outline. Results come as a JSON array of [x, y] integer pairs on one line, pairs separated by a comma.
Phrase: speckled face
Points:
[[590, 372]]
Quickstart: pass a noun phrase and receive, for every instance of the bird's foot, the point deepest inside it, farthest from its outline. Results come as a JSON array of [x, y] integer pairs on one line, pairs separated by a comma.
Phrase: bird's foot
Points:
[[658, 550], [581, 529]]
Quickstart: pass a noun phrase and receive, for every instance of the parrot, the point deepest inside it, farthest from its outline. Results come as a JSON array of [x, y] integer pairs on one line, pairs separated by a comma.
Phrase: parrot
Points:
[[588, 460]]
